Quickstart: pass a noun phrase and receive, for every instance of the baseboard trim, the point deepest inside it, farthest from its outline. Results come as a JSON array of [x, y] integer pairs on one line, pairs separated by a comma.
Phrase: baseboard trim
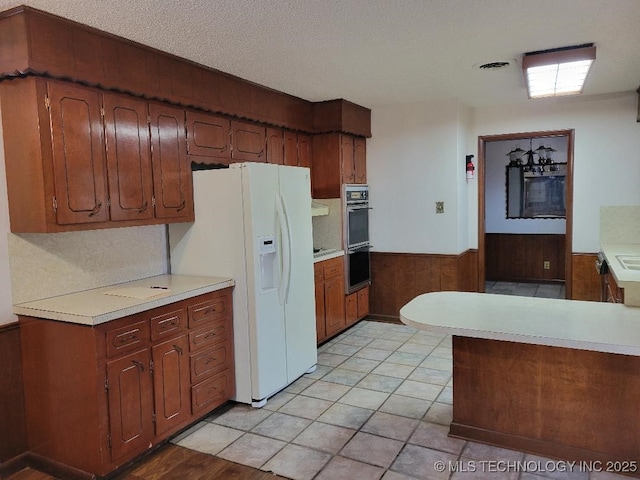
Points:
[[13, 465], [383, 318]]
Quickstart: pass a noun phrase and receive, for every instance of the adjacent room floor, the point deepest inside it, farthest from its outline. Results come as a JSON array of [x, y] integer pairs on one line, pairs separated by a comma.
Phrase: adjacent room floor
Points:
[[378, 406], [546, 290]]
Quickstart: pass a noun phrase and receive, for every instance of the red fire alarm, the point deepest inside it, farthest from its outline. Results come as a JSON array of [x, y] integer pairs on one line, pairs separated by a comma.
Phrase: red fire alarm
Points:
[[470, 168]]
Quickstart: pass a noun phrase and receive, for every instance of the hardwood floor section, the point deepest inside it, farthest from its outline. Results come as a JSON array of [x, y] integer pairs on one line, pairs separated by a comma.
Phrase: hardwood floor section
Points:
[[173, 462]]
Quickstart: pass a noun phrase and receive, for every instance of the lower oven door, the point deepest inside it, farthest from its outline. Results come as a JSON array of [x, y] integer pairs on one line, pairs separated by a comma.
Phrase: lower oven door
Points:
[[358, 272]]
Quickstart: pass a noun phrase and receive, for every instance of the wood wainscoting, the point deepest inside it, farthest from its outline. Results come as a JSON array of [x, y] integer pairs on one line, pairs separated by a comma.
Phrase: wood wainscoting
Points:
[[13, 433], [396, 278], [515, 257]]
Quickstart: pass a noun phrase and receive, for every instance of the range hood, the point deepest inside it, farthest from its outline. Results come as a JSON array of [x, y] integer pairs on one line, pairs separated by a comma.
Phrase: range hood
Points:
[[318, 209]]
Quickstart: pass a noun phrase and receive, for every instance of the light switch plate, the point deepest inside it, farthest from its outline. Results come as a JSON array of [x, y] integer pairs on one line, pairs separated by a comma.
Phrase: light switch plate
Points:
[[439, 207]]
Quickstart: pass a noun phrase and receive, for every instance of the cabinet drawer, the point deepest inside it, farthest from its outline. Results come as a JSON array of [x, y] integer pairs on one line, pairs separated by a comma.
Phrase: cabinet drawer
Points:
[[210, 361], [210, 335], [332, 268], [209, 310], [318, 272], [128, 338], [168, 324], [212, 392]]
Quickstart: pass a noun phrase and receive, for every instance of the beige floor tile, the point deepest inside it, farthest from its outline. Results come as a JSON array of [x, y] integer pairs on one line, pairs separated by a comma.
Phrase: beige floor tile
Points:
[[390, 426], [299, 385], [297, 463], [436, 437], [607, 476], [356, 340], [405, 406], [241, 417], [210, 438], [330, 359], [305, 407], [416, 348], [429, 375], [442, 352], [441, 413], [406, 358], [555, 469], [340, 468], [396, 336], [252, 450], [361, 397], [344, 376], [480, 451], [425, 391], [278, 400], [438, 363], [320, 371], [282, 427], [325, 437], [393, 370], [420, 462], [371, 449], [326, 390], [391, 345], [373, 353], [446, 396], [425, 339], [342, 349], [360, 364], [380, 383], [389, 475], [345, 416], [473, 470]]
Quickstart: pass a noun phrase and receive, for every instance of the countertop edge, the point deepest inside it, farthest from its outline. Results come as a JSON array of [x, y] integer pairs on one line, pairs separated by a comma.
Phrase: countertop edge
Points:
[[328, 256]]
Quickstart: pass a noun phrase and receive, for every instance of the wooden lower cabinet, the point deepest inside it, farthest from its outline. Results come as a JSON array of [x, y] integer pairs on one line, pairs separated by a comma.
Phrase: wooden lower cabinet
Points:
[[329, 277], [357, 305], [614, 293], [96, 397]]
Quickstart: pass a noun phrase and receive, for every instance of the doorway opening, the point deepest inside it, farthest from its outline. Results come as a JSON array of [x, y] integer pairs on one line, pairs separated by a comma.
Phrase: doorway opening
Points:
[[525, 208]]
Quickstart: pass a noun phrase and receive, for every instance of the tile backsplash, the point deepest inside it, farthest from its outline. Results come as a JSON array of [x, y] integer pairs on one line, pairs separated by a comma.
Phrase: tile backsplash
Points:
[[327, 229], [620, 224], [47, 265]]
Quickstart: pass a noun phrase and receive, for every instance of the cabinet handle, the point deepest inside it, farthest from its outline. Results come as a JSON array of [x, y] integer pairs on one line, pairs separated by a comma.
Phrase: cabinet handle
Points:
[[139, 365], [144, 207], [166, 325], [128, 338], [223, 148], [209, 360], [96, 210], [182, 205], [209, 335], [178, 349], [261, 153]]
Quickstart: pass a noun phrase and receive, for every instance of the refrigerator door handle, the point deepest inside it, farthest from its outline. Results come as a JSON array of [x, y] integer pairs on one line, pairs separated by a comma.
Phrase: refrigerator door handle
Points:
[[285, 234]]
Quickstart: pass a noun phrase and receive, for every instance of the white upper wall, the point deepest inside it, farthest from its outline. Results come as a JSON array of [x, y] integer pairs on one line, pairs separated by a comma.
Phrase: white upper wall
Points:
[[606, 153], [412, 163], [6, 314]]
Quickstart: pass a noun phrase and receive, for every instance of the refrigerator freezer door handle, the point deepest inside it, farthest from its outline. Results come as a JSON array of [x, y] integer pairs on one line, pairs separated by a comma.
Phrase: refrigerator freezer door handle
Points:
[[285, 233]]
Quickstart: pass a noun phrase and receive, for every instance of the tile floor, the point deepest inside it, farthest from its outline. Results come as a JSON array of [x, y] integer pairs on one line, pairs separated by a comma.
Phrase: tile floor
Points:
[[546, 290], [377, 407]]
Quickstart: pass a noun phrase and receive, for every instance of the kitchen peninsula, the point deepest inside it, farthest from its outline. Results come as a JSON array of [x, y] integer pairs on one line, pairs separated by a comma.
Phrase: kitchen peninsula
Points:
[[552, 377]]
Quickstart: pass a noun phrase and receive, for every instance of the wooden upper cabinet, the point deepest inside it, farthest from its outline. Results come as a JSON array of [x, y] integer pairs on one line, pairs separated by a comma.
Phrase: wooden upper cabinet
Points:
[[360, 159], [249, 142], [208, 138], [275, 146], [346, 159], [290, 148], [173, 187], [304, 150], [79, 170], [128, 158]]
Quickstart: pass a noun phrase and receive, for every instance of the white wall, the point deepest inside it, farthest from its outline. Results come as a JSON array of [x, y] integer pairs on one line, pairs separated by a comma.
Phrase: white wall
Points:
[[606, 153], [412, 162], [495, 187], [6, 315]]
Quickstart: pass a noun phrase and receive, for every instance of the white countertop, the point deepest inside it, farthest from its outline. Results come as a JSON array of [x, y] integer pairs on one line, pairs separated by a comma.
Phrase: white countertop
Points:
[[323, 255], [625, 278], [596, 326], [92, 307]]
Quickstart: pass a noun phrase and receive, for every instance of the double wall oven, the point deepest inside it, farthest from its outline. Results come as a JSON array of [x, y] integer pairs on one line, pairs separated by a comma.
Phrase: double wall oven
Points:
[[356, 235]]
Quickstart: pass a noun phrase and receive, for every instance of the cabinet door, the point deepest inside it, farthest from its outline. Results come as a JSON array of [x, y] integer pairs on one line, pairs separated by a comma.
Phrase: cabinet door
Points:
[[79, 169], [172, 184], [275, 146], [360, 159], [363, 302], [346, 159], [248, 142], [171, 384], [351, 308], [130, 405], [334, 305], [208, 137], [320, 312], [304, 150], [128, 158], [290, 148]]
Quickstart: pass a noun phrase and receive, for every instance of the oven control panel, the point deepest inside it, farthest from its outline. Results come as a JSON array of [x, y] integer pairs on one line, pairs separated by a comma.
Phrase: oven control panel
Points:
[[356, 193]]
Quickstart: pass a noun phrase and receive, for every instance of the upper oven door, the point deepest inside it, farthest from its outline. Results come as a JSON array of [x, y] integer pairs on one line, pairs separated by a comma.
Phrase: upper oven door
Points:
[[357, 223]]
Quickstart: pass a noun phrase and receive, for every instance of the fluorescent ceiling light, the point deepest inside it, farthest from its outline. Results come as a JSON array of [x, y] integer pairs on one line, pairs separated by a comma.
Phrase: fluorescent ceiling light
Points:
[[560, 71]]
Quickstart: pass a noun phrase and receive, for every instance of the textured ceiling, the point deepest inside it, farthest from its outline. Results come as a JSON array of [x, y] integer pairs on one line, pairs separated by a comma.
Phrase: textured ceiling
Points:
[[376, 52]]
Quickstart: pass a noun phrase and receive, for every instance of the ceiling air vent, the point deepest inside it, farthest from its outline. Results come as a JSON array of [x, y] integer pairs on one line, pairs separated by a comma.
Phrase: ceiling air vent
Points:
[[493, 65]]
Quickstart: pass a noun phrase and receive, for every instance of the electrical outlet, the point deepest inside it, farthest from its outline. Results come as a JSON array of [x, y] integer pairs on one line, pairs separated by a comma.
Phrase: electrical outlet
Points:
[[439, 207], [546, 265]]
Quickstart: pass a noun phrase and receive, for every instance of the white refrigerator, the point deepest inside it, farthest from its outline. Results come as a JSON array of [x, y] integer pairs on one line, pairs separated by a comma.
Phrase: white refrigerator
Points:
[[253, 224]]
